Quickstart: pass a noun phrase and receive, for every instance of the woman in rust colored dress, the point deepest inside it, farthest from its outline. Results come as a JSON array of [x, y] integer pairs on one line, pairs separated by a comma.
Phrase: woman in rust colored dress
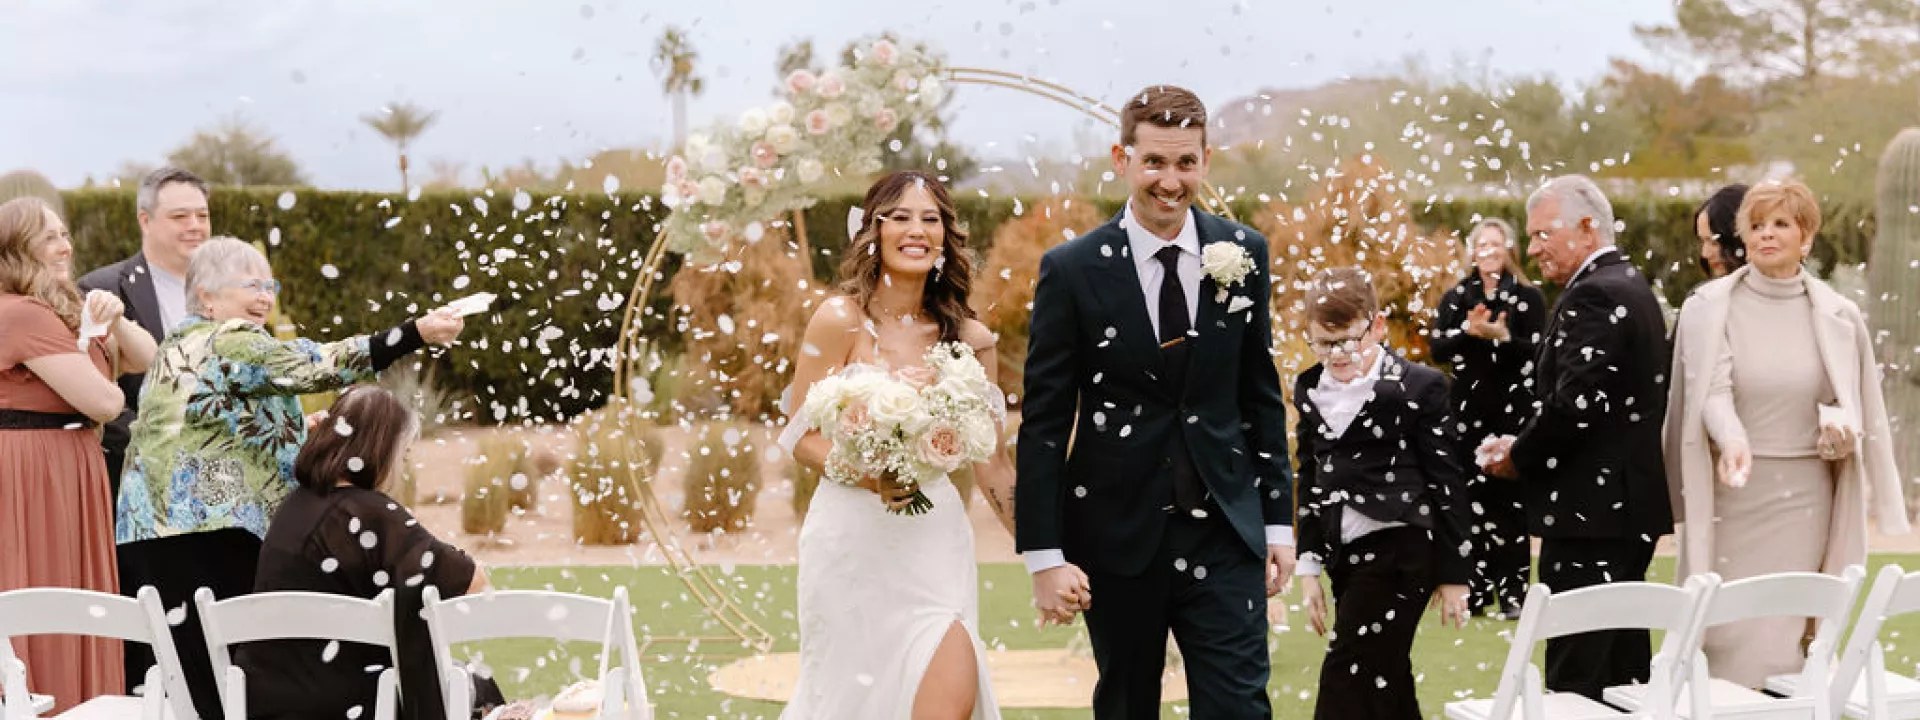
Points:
[[56, 518]]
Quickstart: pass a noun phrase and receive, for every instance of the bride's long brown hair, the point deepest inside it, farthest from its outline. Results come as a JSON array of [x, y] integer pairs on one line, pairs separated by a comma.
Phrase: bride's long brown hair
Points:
[[945, 297]]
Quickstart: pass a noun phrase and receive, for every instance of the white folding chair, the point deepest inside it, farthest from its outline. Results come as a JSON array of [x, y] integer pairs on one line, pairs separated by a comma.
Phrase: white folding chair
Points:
[[1614, 606], [1860, 685], [1825, 598], [297, 616], [69, 611], [497, 614]]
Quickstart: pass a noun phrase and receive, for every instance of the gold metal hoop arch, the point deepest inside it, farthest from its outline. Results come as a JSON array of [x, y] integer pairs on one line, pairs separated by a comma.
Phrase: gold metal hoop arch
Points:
[[631, 355]]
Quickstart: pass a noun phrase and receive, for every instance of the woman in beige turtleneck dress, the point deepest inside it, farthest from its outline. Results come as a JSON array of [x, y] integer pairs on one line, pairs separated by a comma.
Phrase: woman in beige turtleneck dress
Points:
[[1776, 443]]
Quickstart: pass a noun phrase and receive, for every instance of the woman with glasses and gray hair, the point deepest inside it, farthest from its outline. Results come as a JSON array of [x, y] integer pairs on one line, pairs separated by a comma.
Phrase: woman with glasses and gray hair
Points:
[[212, 451], [1486, 331]]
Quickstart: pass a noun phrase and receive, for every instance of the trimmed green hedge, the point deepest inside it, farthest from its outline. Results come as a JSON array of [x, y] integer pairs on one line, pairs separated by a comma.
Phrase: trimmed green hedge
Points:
[[563, 265]]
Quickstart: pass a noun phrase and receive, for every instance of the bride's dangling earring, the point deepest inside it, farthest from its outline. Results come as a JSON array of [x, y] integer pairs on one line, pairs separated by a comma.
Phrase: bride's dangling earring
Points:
[[938, 263]]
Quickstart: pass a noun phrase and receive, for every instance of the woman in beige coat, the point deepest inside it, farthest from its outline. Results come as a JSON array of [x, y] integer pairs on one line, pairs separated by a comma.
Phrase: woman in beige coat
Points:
[[1777, 446]]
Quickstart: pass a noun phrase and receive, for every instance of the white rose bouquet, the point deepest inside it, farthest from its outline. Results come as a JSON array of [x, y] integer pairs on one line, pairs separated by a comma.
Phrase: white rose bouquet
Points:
[[915, 426]]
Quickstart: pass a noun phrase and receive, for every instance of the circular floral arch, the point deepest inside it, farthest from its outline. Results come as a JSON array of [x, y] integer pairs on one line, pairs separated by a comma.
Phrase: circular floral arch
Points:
[[730, 183]]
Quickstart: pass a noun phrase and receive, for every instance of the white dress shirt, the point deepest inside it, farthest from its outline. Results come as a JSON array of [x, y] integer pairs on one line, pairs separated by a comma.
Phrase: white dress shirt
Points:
[[1604, 249], [1339, 403], [1142, 244]]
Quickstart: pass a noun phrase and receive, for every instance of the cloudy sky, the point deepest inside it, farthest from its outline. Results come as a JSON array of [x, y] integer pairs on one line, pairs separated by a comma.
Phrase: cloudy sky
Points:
[[92, 83]]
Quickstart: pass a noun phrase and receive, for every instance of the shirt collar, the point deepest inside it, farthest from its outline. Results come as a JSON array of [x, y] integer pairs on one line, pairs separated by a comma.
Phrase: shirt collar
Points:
[[1144, 243], [1604, 249]]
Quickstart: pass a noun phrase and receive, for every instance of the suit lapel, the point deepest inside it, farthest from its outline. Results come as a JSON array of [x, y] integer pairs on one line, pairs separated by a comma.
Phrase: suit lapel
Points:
[[1125, 302], [136, 284], [1210, 320], [1388, 392]]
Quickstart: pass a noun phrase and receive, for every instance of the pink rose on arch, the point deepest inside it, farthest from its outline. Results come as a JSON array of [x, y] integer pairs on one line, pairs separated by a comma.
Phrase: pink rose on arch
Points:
[[753, 178], [715, 230], [884, 52], [855, 418], [689, 190], [886, 120], [764, 154], [800, 81], [818, 123], [941, 446], [831, 86], [676, 169]]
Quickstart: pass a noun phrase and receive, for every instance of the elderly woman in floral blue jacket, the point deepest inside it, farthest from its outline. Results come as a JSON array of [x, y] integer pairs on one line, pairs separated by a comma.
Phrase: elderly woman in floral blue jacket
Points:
[[219, 427]]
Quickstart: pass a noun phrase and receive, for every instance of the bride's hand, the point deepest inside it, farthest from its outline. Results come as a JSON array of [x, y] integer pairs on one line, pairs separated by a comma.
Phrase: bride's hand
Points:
[[892, 493]]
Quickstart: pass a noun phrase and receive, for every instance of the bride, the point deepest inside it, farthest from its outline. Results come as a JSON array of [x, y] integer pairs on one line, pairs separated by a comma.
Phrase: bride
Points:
[[889, 603]]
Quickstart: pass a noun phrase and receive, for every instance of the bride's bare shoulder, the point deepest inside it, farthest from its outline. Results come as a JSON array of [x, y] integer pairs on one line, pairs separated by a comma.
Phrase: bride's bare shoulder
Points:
[[838, 315], [977, 335]]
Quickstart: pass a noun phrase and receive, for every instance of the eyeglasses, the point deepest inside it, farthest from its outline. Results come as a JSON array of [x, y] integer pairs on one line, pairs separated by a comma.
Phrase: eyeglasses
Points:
[[270, 287], [1346, 345]]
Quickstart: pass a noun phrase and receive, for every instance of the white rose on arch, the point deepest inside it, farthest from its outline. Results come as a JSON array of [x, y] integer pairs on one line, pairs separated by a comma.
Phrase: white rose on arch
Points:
[[713, 190], [838, 113], [783, 138], [809, 170], [831, 85], [932, 91], [780, 113], [753, 121]]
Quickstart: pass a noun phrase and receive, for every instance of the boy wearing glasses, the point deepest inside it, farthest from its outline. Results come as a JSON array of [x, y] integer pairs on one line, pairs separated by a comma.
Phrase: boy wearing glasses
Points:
[[1383, 507]]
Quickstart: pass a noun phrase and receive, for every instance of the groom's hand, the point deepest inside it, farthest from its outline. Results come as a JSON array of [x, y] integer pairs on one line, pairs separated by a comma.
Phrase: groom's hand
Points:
[[1059, 592], [1279, 568]]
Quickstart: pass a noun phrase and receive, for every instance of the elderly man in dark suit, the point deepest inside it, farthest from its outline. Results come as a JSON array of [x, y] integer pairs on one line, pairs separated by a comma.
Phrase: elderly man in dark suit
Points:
[[152, 284], [1595, 486]]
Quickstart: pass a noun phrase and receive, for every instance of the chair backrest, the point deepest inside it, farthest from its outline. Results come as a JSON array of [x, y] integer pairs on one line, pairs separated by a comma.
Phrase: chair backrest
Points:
[[1614, 606], [1825, 598], [292, 616], [1894, 592], [71, 611], [498, 614]]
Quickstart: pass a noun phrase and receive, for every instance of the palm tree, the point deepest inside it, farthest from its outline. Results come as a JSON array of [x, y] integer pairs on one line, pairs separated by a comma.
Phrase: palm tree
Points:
[[400, 123], [673, 61]]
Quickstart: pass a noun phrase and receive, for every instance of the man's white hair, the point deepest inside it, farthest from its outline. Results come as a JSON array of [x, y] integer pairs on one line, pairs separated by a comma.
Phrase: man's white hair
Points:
[[1579, 199]]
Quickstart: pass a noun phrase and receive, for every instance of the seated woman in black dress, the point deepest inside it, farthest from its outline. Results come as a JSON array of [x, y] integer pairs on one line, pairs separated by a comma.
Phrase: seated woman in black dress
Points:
[[338, 533]]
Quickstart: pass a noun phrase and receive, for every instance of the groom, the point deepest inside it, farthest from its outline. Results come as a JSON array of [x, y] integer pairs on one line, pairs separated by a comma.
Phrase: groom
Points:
[[1152, 441]]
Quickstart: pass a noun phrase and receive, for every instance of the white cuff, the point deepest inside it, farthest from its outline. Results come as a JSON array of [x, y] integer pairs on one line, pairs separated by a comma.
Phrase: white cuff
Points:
[[1280, 535], [1038, 560], [1309, 566]]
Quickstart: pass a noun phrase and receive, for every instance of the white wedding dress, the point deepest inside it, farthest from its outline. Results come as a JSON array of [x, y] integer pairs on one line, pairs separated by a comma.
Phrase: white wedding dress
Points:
[[878, 592]]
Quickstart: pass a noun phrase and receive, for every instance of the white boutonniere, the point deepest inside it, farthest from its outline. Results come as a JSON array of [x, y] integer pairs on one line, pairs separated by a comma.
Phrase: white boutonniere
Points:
[[1228, 264]]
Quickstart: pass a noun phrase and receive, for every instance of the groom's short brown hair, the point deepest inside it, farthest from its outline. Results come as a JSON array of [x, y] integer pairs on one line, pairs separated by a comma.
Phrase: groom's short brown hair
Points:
[[1164, 106], [1340, 296]]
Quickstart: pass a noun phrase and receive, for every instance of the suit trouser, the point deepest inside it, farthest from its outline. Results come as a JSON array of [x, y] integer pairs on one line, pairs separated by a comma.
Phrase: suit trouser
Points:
[[1377, 604], [1589, 663], [1207, 587], [1502, 554]]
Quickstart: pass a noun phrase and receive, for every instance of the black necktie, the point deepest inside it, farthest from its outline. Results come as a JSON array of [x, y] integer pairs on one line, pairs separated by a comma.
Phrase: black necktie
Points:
[[1173, 298], [1189, 493]]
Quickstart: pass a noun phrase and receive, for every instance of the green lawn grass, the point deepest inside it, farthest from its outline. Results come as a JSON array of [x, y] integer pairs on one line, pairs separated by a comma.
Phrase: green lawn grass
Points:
[[1449, 664]]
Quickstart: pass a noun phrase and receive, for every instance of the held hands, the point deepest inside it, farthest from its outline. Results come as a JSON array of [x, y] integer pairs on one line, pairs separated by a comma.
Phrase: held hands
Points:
[[1061, 592], [1483, 324], [1495, 456], [1452, 601]]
